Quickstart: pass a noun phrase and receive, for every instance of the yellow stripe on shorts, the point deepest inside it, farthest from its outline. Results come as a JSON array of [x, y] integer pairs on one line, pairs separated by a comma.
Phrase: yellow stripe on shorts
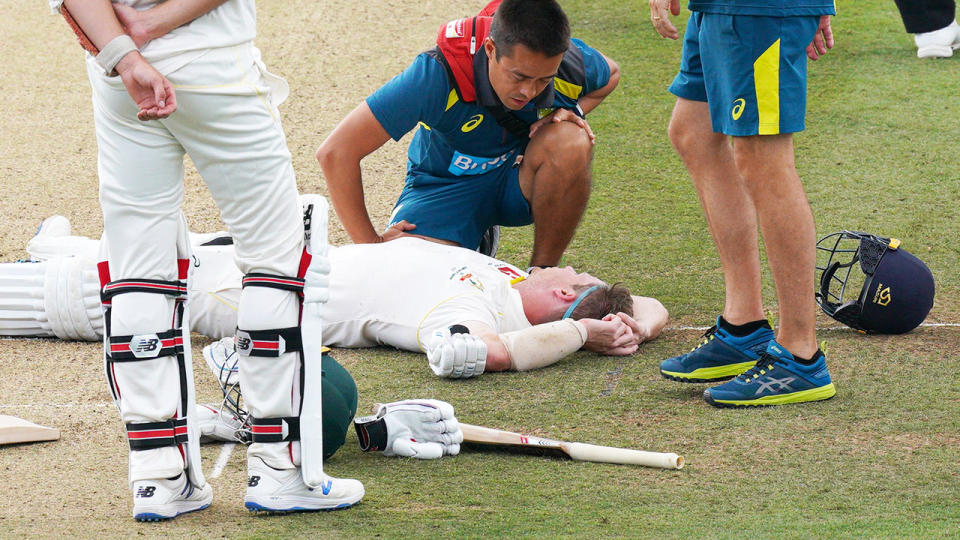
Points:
[[766, 82]]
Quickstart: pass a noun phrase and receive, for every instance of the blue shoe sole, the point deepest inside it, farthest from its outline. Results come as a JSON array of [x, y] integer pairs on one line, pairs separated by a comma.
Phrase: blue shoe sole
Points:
[[254, 507], [148, 517]]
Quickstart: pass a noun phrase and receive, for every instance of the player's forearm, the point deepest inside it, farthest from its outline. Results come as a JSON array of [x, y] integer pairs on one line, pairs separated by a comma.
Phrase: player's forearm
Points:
[[590, 101], [97, 20], [542, 345], [651, 315], [166, 16]]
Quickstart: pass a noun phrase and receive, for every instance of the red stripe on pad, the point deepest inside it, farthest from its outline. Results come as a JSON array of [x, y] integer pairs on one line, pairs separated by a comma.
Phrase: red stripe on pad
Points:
[[266, 429], [150, 434]]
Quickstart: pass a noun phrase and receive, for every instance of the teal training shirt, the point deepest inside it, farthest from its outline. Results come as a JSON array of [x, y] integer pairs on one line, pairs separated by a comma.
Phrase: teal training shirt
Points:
[[765, 8], [460, 139]]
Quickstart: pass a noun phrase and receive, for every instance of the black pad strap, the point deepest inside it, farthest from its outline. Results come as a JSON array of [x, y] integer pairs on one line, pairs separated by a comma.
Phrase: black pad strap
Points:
[[371, 433], [285, 283], [270, 430], [147, 435], [155, 286], [144, 346], [269, 343]]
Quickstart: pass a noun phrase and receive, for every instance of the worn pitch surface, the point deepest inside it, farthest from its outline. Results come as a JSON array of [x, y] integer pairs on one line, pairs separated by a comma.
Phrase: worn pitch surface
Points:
[[879, 155]]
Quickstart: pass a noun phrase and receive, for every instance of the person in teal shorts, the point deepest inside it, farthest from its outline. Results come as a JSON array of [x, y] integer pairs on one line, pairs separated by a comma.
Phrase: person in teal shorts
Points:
[[741, 94]]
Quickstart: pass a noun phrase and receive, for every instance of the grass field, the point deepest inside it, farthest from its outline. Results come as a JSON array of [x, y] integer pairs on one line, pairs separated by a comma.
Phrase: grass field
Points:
[[880, 154]]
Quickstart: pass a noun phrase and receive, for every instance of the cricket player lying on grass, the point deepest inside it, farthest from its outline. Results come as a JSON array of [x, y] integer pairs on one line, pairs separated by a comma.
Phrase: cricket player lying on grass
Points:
[[468, 312]]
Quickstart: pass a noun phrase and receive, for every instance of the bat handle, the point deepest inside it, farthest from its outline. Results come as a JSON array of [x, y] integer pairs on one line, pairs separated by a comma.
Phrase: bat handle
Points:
[[607, 454]]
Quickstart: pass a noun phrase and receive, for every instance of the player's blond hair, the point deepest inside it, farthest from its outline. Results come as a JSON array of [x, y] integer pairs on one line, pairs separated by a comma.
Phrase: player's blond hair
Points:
[[604, 300]]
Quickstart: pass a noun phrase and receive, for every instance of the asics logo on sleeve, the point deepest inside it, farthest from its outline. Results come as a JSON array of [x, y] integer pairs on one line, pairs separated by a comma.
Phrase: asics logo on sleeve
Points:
[[738, 106], [471, 124]]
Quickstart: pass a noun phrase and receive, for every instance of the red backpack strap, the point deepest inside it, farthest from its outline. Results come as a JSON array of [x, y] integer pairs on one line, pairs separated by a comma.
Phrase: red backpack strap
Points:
[[490, 9], [458, 41]]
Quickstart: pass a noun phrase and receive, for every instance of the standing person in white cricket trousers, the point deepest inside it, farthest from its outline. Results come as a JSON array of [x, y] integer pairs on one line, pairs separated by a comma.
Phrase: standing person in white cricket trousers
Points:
[[198, 87]]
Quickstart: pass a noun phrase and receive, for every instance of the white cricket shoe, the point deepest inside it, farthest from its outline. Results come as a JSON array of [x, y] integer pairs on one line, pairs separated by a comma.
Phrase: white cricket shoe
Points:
[[157, 500], [938, 43], [283, 490]]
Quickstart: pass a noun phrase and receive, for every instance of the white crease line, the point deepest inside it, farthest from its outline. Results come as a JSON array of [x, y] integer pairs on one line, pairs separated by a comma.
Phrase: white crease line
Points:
[[222, 460], [55, 405], [704, 328]]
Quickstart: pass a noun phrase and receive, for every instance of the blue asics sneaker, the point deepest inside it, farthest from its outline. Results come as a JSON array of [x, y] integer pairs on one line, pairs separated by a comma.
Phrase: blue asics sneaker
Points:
[[720, 355], [776, 379]]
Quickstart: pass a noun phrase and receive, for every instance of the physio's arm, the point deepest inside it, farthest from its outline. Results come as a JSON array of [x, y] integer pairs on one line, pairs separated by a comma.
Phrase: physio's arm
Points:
[[159, 20], [590, 101], [357, 135]]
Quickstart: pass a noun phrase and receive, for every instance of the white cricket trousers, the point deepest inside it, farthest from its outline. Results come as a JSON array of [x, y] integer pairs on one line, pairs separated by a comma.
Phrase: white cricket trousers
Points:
[[227, 122]]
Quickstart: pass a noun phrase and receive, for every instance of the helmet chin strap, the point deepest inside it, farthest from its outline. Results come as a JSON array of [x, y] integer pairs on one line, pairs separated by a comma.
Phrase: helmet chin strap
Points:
[[573, 306]]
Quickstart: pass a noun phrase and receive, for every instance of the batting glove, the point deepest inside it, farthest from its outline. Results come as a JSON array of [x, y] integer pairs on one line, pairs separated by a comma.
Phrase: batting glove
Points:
[[455, 353], [418, 428]]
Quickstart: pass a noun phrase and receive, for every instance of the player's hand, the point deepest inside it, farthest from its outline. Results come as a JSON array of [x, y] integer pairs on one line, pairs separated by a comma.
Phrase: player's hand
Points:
[[640, 333], [135, 23], [456, 355], [397, 230], [660, 11], [822, 40], [418, 428], [563, 115], [150, 90], [612, 335]]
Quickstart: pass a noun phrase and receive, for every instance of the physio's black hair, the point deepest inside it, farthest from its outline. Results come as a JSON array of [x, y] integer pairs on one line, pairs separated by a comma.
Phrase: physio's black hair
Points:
[[539, 25]]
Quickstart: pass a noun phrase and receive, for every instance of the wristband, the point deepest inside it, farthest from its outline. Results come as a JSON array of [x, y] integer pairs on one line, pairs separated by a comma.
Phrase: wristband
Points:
[[112, 52], [371, 433]]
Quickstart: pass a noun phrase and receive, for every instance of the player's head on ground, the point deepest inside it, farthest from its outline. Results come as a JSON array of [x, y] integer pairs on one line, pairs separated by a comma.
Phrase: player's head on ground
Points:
[[551, 294], [525, 47]]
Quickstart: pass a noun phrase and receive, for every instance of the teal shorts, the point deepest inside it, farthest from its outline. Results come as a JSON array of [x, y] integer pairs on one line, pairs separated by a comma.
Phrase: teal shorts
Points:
[[462, 209], [751, 71]]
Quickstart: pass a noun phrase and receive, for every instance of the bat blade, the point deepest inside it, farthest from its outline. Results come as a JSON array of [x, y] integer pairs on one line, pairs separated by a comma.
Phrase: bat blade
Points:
[[576, 450], [15, 430]]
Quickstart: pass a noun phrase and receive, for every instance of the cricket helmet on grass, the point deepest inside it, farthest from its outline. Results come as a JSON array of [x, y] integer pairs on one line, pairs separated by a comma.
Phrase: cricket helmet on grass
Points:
[[897, 288]]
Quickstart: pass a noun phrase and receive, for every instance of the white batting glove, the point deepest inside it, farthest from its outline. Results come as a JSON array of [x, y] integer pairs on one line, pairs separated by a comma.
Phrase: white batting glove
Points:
[[317, 285], [456, 355], [418, 428]]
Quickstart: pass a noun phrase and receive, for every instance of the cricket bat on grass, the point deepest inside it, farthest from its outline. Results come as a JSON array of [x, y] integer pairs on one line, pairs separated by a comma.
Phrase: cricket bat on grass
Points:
[[16, 430], [575, 450]]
